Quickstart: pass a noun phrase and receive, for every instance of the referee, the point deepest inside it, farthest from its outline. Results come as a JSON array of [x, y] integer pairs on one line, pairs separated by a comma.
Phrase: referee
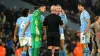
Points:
[[51, 31]]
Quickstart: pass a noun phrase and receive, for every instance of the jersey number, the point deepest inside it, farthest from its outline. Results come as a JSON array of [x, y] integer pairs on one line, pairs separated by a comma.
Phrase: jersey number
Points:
[[22, 25]]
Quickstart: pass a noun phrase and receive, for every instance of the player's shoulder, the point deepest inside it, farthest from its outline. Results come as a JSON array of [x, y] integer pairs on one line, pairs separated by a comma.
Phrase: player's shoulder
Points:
[[18, 19], [29, 15], [36, 12], [86, 12], [28, 18], [21, 18]]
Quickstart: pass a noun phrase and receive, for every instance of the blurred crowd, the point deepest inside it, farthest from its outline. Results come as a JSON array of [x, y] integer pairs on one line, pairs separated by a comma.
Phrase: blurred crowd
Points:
[[70, 7], [8, 17]]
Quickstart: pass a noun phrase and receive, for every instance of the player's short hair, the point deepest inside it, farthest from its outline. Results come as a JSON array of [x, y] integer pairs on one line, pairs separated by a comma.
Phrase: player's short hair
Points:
[[58, 5], [42, 5], [25, 12], [81, 3], [96, 18]]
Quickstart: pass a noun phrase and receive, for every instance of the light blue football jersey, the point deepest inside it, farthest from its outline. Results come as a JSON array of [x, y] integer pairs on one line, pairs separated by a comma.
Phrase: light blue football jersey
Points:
[[21, 22], [83, 18], [64, 19]]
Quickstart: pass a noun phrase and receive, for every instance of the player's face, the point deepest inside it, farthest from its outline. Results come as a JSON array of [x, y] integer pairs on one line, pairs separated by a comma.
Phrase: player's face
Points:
[[80, 8], [59, 10], [43, 9]]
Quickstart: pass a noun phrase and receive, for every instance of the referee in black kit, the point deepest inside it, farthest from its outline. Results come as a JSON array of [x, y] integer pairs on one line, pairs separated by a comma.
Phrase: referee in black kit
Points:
[[51, 31]]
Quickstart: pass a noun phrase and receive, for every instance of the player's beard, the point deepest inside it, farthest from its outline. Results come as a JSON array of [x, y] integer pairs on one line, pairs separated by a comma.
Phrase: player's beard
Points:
[[80, 11]]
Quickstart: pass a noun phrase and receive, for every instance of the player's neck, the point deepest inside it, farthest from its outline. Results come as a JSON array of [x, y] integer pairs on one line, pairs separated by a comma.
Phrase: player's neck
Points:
[[58, 14], [53, 12], [82, 10], [39, 9]]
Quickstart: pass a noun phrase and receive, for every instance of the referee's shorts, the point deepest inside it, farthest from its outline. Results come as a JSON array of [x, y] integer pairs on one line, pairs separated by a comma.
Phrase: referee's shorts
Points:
[[53, 39]]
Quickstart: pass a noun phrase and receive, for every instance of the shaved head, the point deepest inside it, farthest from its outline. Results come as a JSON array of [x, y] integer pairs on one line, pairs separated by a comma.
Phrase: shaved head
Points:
[[53, 8]]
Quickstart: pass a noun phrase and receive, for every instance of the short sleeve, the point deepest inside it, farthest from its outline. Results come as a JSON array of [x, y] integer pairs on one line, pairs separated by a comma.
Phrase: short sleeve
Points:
[[86, 15], [64, 18], [29, 18], [45, 22], [18, 21]]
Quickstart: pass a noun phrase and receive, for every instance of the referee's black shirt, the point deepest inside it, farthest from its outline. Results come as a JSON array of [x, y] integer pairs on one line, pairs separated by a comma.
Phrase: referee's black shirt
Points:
[[52, 22]]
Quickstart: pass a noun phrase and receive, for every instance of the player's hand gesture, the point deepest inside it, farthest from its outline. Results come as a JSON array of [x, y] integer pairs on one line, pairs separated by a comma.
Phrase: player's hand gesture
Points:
[[63, 13]]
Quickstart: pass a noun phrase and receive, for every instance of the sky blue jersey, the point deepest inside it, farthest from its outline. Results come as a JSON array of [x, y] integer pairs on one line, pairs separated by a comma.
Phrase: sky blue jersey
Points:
[[83, 18], [21, 22], [64, 19]]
